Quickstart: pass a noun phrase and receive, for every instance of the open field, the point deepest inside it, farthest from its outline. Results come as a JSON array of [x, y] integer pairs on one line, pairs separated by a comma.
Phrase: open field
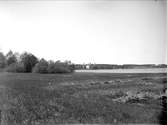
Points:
[[47, 99]]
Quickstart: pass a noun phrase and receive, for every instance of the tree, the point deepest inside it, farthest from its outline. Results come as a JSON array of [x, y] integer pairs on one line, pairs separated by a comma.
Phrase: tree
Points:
[[17, 55], [29, 61], [10, 58], [2, 60]]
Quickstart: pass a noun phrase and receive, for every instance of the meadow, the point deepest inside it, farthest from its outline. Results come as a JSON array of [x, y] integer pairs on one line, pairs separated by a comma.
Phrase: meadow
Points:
[[87, 98]]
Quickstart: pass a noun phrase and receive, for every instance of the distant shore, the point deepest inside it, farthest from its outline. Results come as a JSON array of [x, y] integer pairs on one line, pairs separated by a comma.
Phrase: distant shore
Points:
[[143, 70]]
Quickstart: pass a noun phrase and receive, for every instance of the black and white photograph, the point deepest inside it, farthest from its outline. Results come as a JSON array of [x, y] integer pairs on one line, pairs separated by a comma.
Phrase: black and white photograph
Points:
[[83, 62]]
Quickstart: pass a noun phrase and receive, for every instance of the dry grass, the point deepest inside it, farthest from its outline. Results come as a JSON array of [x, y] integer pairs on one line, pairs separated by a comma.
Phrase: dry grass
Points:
[[33, 99]]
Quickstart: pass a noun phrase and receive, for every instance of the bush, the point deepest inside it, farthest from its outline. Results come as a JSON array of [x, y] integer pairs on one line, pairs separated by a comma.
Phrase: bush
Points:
[[61, 69], [41, 67], [15, 67], [51, 67], [58, 67]]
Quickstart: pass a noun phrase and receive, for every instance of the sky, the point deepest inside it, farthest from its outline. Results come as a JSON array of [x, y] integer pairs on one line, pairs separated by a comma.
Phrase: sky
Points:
[[96, 31]]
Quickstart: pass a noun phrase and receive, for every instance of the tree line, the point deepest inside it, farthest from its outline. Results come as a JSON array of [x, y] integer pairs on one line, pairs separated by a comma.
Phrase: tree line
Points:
[[115, 66], [27, 62]]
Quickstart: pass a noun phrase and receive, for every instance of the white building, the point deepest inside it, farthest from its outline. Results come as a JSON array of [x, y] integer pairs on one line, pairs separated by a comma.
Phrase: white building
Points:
[[87, 66]]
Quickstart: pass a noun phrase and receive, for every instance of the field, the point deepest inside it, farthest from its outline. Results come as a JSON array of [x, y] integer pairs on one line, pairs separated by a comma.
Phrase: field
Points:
[[45, 99]]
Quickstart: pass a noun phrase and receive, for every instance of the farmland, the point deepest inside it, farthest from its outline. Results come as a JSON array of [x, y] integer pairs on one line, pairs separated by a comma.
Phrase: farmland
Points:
[[48, 99]]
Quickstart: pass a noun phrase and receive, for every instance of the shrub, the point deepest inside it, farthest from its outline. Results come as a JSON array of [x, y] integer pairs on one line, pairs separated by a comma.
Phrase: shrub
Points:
[[20, 67], [59, 67], [15, 67], [51, 67], [41, 67]]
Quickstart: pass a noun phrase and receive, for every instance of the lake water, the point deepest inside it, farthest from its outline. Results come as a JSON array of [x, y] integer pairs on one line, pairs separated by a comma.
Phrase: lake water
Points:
[[151, 70]]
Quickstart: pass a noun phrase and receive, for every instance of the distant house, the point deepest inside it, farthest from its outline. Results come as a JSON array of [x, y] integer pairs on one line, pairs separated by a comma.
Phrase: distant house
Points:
[[87, 66]]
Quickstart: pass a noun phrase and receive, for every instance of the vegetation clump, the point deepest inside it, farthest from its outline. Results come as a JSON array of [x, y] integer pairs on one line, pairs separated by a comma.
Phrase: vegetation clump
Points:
[[50, 67], [27, 63]]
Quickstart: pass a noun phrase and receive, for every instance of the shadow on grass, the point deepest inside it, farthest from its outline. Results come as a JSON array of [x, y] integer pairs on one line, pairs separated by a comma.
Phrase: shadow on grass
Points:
[[163, 115]]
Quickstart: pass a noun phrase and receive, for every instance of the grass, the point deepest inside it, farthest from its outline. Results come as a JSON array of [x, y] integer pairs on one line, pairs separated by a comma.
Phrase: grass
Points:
[[45, 99]]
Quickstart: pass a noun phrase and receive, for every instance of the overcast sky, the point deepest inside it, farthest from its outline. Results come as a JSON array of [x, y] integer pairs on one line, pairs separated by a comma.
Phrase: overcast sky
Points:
[[96, 31]]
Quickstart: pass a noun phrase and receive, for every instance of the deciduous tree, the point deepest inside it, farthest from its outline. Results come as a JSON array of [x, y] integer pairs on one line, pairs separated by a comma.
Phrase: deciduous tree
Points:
[[29, 61]]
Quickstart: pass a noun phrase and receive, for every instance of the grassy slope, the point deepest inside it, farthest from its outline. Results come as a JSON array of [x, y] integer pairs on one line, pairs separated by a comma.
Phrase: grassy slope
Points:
[[70, 98]]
